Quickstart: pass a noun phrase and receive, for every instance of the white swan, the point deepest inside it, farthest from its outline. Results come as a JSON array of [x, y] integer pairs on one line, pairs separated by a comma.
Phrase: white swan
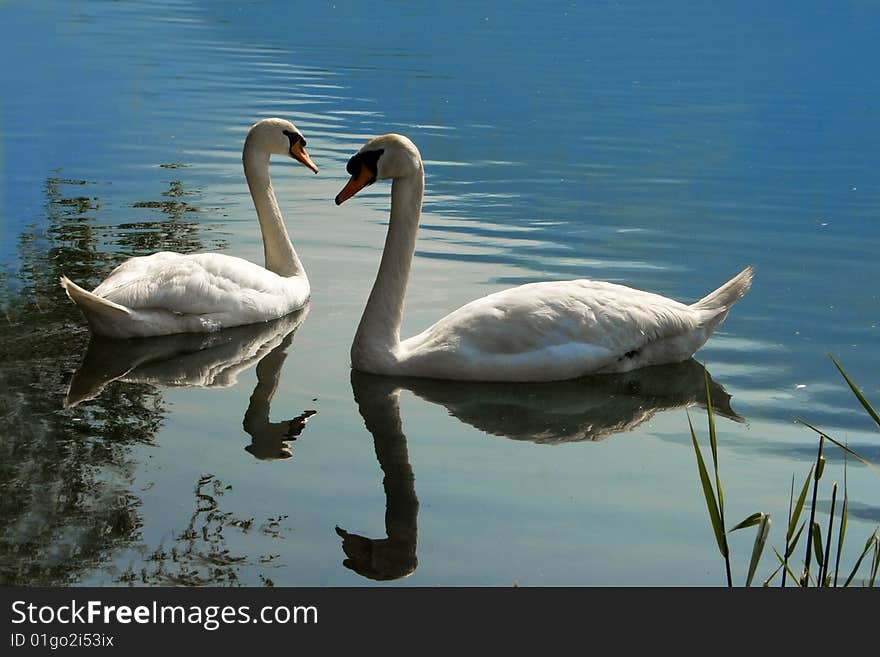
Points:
[[167, 292], [535, 332]]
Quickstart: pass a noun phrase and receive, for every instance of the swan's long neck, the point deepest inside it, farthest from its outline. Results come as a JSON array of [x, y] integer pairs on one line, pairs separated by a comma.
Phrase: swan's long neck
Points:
[[379, 330], [277, 248]]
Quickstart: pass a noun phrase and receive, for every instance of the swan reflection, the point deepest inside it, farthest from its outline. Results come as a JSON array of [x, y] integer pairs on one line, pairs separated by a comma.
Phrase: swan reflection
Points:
[[591, 408], [588, 409], [392, 557], [202, 360]]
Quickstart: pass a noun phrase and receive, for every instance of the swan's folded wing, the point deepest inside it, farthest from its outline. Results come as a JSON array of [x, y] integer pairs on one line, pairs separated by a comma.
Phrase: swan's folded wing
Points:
[[197, 284], [580, 314]]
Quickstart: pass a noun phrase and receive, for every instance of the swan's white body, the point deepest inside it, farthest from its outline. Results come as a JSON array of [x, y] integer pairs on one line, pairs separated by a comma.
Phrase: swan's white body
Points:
[[166, 293], [535, 332], [559, 330]]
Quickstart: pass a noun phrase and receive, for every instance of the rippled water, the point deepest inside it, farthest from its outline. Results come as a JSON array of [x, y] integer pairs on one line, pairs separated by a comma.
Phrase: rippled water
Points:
[[662, 146]]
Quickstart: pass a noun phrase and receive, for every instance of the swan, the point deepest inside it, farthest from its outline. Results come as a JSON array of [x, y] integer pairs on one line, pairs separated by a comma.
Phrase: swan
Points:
[[166, 292], [545, 331]]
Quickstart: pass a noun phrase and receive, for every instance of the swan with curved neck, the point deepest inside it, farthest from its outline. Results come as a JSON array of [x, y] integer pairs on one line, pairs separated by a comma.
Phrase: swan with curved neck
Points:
[[168, 292], [535, 332]]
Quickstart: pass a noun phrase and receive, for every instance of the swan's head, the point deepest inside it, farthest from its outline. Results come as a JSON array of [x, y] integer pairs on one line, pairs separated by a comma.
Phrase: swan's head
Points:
[[279, 137], [388, 156]]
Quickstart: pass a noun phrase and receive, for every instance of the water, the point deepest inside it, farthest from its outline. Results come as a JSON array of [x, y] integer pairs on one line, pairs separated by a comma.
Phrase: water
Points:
[[662, 147]]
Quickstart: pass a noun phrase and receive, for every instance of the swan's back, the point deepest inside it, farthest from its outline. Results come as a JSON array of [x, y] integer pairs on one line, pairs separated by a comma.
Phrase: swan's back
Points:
[[200, 283], [166, 293], [539, 315], [558, 330]]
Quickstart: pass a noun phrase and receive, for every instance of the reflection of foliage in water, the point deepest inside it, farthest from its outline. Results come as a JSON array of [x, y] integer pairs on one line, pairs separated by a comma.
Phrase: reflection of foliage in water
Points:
[[200, 556], [172, 232], [64, 499]]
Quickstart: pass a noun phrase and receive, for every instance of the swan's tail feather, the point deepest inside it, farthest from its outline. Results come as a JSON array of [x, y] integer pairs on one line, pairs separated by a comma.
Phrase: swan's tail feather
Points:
[[717, 304], [93, 306]]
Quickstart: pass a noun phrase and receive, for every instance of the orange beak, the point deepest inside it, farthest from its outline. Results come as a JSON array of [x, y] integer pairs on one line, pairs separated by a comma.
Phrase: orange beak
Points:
[[298, 153], [356, 184]]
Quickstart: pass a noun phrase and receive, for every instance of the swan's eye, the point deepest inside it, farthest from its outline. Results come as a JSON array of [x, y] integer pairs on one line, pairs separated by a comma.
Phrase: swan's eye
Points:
[[294, 137], [369, 159]]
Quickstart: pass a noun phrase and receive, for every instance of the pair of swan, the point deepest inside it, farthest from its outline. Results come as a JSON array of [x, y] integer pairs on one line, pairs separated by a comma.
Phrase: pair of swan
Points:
[[536, 332]]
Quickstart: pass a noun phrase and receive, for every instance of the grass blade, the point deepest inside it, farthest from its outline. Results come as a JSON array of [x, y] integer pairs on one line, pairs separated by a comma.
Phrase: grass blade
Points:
[[817, 549], [709, 494], [839, 444], [857, 393], [758, 548], [790, 550], [868, 545], [713, 442], [816, 475], [876, 563], [751, 521], [787, 531], [823, 579], [771, 576], [792, 523], [785, 565], [842, 531]]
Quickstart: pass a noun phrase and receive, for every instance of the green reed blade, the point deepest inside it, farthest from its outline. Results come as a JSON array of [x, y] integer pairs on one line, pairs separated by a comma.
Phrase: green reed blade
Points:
[[792, 523], [876, 564], [861, 557], [817, 549], [713, 441], [790, 549], [785, 565], [758, 548], [841, 532], [810, 525], [824, 572], [839, 444], [771, 576], [711, 504], [858, 393], [788, 527], [751, 521]]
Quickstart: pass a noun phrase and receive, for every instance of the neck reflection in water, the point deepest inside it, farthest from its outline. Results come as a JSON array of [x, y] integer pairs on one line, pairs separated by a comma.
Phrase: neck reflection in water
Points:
[[203, 360], [395, 556], [588, 409]]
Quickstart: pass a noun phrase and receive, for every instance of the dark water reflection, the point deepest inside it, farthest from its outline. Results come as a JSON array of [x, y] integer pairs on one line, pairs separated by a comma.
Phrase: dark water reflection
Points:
[[201, 360], [588, 409], [66, 471], [394, 556], [63, 475], [194, 360]]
